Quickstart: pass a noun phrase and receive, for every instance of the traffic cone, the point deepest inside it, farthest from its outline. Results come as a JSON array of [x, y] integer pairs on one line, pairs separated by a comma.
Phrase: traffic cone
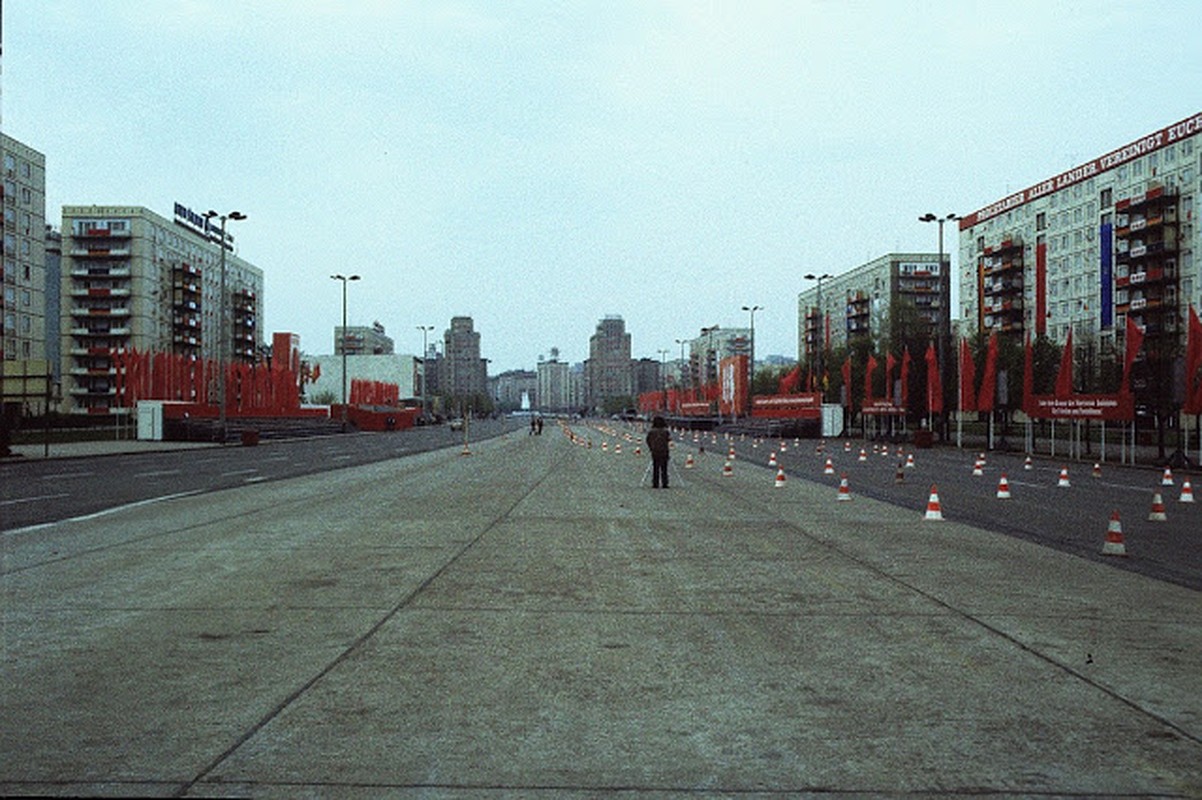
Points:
[[1157, 513], [1097, 470], [900, 475], [1167, 480], [910, 461], [863, 454], [618, 449], [977, 468], [605, 447], [728, 470], [1003, 488], [847, 447], [1187, 492], [829, 469], [1064, 477], [688, 461], [780, 477], [638, 451], [465, 451], [772, 460], [934, 511], [1113, 546], [844, 489], [730, 453], [1027, 464], [783, 447]]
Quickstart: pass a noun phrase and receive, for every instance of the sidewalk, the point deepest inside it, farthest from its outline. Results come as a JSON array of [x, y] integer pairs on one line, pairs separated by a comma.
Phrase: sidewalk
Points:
[[102, 447]]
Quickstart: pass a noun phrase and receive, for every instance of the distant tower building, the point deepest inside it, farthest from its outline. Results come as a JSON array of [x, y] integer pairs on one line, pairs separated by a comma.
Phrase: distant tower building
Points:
[[23, 335], [608, 372], [362, 340], [464, 373], [555, 384]]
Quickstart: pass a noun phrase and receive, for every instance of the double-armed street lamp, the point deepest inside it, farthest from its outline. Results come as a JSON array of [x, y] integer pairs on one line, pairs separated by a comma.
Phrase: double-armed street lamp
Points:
[[945, 302], [222, 338], [663, 376], [344, 279], [425, 329], [820, 337], [751, 365]]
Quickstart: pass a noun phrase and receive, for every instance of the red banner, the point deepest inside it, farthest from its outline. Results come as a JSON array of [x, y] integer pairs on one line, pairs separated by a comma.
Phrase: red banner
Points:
[[1109, 407], [787, 406]]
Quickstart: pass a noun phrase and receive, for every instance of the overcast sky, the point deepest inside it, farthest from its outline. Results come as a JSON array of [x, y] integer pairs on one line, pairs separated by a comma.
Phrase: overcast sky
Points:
[[538, 165]]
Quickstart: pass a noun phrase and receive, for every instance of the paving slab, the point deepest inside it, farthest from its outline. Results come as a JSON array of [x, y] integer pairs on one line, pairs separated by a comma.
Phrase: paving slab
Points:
[[534, 620]]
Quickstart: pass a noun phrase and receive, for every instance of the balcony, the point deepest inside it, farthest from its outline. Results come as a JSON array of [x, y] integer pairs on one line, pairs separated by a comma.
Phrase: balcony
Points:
[[83, 311], [119, 291], [100, 272], [100, 252]]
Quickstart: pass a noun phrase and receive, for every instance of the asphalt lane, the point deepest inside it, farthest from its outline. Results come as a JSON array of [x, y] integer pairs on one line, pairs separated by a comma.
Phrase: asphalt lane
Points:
[[533, 620], [40, 491], [1072, 519]]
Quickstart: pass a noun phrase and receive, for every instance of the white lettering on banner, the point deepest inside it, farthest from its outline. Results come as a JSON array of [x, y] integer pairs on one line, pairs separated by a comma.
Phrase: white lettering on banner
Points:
[[1140, 147]]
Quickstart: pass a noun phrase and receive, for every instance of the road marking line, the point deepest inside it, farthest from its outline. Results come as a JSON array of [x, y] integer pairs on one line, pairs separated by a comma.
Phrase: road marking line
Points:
[[33, 499], [256, 478], [58, 476], [104, 512], [238, 472], [157, 474]]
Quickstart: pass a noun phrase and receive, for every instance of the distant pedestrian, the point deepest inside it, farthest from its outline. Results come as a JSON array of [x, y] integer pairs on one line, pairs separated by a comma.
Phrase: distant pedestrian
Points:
[[533, 425], [540, 425], [657, 442]]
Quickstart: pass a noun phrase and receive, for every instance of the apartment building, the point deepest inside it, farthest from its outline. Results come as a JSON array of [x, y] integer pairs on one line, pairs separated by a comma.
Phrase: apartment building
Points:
[[132, 279], [859, 302], [1112, 238]]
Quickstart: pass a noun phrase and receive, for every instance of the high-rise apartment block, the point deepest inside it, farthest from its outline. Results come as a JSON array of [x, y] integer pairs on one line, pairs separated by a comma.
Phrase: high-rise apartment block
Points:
[[23, 302], [1111, 239], [859, 303], [132, 279]]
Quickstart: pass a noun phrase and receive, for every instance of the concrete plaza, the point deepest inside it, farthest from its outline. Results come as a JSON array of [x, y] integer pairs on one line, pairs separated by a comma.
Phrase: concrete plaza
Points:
[[533, 619]]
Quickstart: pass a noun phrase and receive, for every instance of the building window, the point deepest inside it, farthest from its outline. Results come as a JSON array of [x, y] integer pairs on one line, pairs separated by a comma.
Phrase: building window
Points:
[[1041, 221], [10, 164], [1106, 199]]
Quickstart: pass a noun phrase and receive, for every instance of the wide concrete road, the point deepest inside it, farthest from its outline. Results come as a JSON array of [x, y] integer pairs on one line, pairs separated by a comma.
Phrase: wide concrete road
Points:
[[529, 620]]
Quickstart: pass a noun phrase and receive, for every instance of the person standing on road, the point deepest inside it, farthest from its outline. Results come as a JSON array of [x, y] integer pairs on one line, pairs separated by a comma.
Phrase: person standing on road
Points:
[[657, 442]]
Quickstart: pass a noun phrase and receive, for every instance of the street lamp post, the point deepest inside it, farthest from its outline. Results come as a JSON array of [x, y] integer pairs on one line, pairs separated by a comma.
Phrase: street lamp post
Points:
[[820, 344], [221, 335], [945, 301], [709, 353], [680, 380], [344, 279], [751, 365], [425, 329], [663, 376]]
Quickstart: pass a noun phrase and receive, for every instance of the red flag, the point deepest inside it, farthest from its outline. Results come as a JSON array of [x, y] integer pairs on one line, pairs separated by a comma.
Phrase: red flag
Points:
[[1193, 362], [934, 382], [869, 368], [1064, 378], [989, 379], [1135, 340], [905, 379], [968, 378], [890, 363], [1028, 377], [847, 381], [788, 384]]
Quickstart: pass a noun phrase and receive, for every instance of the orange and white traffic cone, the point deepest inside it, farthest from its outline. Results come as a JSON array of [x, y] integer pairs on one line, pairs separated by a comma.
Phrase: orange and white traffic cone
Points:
[[900, 475], [1063, 477], [934, 510], [910, 461], [978, 468], [618, 449], [728, 470], [688, 461], [1157, 513], [1114, 546], [1167, 480], [1027, 464], [1187, 492], [863, 454], [772, 460], [605, 447], [844, 489], [847, 447], [730, 453], [780, 478], [1003, 488], [1097, 470], [829, 469]]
